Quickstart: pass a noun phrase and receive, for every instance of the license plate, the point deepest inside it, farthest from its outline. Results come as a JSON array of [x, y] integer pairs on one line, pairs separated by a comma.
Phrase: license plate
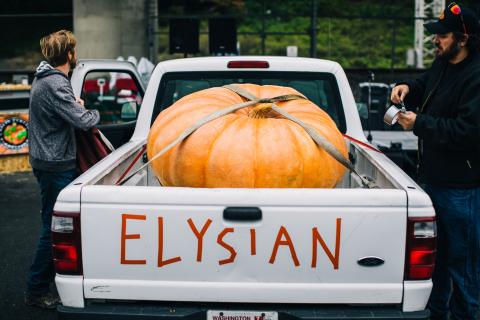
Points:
[[241, 315]]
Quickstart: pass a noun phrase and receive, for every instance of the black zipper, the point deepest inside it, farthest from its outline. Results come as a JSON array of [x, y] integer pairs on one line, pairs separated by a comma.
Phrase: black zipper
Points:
[[420, 111]]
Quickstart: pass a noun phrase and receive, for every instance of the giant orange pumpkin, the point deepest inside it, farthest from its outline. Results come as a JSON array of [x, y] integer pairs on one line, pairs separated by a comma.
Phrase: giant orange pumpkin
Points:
[[253, 147]]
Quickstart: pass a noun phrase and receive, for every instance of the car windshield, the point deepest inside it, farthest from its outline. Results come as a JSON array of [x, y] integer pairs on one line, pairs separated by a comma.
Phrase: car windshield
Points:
[[320, 88]]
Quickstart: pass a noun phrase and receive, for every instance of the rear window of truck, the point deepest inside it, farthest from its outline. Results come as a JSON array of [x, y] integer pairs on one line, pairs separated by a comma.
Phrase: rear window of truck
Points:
[[320, 88]]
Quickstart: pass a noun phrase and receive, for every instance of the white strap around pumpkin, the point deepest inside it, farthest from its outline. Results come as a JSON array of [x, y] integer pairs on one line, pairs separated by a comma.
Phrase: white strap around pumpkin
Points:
[[321, 141]]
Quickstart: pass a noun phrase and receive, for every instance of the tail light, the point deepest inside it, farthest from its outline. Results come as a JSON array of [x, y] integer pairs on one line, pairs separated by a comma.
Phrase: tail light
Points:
[[248, 64], [67, 245], [421, 248]]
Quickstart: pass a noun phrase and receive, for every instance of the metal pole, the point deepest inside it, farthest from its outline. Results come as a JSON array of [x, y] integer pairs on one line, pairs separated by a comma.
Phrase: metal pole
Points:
[[425, 11], [371, 77], [419, 35], [313, 30], [152, 30]]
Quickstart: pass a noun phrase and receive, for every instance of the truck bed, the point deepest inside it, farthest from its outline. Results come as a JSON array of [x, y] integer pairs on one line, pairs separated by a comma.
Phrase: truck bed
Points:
[[353, 221], [367, 163]]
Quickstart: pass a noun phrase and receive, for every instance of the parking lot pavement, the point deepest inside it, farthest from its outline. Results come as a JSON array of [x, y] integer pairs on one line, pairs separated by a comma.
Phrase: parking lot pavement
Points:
[[19, 230]]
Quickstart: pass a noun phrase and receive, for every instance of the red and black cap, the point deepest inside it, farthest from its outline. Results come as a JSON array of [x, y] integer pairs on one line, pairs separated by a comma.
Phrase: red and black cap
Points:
[[454, 18]]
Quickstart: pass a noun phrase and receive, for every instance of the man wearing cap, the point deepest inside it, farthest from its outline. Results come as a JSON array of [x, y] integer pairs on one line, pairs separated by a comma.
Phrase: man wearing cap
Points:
[[447, 124]]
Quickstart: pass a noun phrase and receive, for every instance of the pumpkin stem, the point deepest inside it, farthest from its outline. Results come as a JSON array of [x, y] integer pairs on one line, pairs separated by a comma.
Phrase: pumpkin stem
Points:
[[262, 111]]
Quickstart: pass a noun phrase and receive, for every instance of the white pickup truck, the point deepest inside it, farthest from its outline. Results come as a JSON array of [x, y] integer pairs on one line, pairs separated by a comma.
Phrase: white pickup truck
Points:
[[142, 250]]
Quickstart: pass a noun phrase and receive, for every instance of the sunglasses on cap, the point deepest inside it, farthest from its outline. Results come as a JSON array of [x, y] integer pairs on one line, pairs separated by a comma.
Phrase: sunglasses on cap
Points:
[[456, 10]]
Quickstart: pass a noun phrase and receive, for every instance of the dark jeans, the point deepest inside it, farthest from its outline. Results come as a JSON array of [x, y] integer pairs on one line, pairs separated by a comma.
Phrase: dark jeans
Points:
[[42, 271], [456, 278]]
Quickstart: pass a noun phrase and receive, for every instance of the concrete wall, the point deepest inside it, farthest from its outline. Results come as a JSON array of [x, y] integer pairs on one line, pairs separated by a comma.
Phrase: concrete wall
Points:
[[106, 29]]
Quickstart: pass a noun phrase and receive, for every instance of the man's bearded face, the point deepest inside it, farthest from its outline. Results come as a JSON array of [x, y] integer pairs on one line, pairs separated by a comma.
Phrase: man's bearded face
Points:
[[73, 61], [447, 46]]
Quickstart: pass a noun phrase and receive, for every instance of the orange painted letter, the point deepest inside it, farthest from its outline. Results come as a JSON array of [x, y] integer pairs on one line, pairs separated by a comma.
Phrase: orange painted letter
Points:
[[199, 236], [230, 249], [253, 242], [160, 261], [288, 242], [316, 237], [124, 237]]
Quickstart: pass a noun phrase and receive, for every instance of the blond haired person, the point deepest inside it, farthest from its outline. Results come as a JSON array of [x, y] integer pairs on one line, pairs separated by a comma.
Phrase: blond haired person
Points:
[[54, 113]]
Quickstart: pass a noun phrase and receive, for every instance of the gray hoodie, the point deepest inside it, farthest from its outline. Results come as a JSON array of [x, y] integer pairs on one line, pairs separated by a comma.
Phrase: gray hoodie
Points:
[[54, 113]]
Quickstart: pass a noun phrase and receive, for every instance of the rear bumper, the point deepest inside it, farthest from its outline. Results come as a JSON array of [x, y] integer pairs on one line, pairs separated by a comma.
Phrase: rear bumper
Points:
[[195, 311]]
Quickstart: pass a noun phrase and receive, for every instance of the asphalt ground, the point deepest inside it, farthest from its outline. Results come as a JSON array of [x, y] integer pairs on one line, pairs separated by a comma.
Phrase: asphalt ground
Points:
[[19, 231]]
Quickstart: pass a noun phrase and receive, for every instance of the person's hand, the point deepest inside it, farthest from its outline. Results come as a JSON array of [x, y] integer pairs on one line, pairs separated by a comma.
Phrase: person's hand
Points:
[[80, 101], [407, 119], [399, 92]]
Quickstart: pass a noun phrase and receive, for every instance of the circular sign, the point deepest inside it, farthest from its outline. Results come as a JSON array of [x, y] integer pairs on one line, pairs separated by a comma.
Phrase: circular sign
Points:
[[14, 133]]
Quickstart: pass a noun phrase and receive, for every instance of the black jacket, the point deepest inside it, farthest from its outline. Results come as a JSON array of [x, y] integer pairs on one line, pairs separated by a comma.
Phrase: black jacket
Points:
[[448, 127]]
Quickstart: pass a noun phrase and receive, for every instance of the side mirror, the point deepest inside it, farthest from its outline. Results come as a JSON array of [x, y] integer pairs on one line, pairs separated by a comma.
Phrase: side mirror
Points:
[[129, 110]]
